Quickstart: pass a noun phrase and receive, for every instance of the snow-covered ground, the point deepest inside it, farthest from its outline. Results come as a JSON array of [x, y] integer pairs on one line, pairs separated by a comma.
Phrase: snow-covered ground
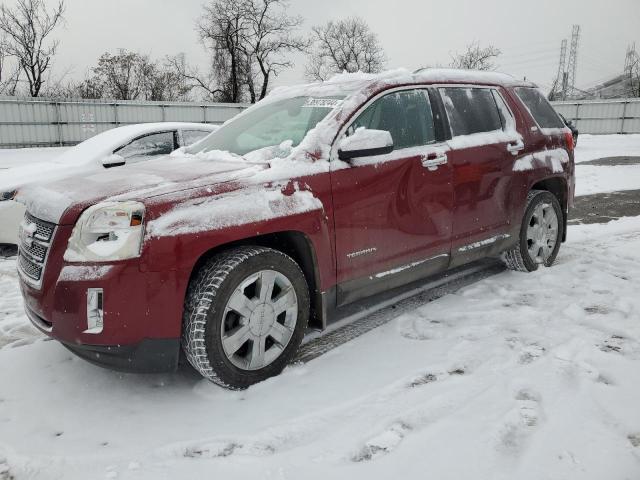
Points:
[[524, 376], [600, 179], [593, 147], [527, 376]]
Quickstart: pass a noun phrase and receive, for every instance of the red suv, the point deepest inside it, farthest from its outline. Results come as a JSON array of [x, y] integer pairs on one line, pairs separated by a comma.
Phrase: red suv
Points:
[[305, 204]]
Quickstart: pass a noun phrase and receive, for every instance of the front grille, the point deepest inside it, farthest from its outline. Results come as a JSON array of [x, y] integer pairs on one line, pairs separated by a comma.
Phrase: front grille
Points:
[[44, 230], [35, 239], [30, 268], [37, 251]]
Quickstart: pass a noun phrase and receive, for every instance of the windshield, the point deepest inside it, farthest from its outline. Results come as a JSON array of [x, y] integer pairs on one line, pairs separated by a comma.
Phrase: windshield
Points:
[[270, 125]]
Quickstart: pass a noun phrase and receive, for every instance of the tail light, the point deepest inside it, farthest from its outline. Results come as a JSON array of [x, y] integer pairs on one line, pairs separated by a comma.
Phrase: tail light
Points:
[[568, 139]]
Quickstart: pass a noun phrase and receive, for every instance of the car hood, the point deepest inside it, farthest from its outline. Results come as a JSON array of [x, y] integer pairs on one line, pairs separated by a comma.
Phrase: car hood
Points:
[[49, 201]]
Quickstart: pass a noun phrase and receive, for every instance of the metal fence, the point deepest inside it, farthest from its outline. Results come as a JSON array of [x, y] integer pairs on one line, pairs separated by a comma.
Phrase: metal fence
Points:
[[41, 122], [602, 116]]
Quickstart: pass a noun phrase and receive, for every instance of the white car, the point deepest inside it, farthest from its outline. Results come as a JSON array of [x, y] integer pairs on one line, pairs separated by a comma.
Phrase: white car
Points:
[[113, 148]]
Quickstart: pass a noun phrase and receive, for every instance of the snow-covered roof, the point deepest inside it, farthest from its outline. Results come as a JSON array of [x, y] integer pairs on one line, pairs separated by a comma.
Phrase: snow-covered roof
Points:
[[85, 156], [346, 83], [106, 142]]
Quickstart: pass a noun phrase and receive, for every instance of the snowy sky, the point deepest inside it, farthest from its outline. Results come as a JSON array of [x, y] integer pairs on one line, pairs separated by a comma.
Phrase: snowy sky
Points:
[[414, 32]]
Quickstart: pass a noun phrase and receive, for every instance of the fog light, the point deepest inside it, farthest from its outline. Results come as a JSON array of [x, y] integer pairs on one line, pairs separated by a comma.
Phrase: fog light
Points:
[[95, 312]]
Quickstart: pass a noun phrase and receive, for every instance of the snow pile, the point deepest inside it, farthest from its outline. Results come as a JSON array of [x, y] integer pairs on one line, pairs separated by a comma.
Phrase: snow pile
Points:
[[484, 138], [15, 329], [236, 208], [552, 159], [74, 273], [20, 157], [525, 376]]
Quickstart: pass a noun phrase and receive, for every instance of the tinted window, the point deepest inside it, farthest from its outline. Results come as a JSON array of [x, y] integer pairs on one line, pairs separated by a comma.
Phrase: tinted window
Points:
[[471, 110], [506, 117], [406, 115], [149, 146], [189, 137], [539, 107]]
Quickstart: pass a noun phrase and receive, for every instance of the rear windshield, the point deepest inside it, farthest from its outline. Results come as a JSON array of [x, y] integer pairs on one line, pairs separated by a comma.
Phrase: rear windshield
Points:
[[540, 109]]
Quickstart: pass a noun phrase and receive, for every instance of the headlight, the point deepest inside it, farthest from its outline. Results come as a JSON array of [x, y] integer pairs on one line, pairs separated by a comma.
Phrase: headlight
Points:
[[106, 232], [10, 195]]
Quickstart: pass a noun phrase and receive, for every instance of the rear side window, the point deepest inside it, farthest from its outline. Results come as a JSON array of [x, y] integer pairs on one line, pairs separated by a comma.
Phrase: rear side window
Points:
[[189, 137], [406, 115], [471, 110], [540, 109]]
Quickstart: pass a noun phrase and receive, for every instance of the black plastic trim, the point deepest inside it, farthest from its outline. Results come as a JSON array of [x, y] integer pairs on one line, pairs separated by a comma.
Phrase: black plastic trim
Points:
[[157, 355]]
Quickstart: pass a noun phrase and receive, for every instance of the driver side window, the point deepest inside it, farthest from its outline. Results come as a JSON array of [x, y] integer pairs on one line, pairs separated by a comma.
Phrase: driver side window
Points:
[[405, 114], [148, 146]]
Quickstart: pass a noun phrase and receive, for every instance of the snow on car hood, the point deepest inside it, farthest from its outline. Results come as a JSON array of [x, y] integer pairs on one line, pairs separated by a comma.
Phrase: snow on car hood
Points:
[[135, 182]]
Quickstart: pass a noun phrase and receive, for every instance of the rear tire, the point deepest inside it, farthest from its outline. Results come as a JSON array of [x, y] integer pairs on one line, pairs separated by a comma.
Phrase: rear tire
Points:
[[245, 314], [541, 233]]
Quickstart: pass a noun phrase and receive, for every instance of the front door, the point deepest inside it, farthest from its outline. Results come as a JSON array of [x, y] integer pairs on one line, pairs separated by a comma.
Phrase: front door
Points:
[[393, 212]]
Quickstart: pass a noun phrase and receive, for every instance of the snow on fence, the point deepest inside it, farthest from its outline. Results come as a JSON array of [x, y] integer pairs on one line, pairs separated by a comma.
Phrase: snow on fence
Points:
[[26, 122], [602, 116]]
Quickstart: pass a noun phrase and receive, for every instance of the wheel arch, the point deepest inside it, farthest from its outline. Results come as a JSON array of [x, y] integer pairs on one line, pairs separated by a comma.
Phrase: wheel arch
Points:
[[559, 187], [293, 243]]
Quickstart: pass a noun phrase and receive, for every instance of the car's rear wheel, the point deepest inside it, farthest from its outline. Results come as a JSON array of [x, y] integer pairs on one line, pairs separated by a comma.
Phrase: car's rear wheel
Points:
[[245, 315], [541, 233]]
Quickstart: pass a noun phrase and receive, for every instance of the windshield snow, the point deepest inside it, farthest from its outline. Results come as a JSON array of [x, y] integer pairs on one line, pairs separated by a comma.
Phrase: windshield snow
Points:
[[287, 120]]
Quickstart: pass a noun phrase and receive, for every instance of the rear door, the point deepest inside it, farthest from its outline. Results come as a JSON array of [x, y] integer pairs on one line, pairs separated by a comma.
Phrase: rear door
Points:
[[484, 145], [393, 212]]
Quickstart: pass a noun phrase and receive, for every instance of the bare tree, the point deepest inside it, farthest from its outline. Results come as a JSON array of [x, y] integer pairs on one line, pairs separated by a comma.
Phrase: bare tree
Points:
[[165, 83], [28, 27], [9, 73], [131, 76], [476, 57], [344, 46], [122, 76], [248, 41], [192, 78], [221, 29], [268, 37]]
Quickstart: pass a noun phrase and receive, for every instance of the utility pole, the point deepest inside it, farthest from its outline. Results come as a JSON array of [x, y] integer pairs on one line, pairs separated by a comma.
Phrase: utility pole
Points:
[[572, 64], [559, 84], [631, 62]]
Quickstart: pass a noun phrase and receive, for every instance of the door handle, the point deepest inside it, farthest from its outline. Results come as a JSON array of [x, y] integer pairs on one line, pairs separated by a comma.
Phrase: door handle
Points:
[[515, 147], [434, 160]]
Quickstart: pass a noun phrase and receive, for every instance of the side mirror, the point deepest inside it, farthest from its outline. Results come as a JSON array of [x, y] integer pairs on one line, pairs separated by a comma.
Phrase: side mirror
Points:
[[113, 160], [365, 143]]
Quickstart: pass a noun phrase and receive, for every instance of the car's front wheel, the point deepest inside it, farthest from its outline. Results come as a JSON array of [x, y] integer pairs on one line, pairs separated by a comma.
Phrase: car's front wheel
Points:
[[541, 233], [245, 315]]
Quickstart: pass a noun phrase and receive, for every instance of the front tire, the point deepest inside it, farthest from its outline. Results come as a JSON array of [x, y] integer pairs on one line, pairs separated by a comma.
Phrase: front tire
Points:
[[245, 314], [541, 233]]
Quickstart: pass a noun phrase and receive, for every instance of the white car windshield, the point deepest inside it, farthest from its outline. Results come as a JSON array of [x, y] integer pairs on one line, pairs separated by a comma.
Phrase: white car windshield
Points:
[[272, 124]]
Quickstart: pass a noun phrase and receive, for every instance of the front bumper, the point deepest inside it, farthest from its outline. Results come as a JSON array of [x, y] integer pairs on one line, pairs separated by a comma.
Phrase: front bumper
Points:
[[142, 311], [149, 356]]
